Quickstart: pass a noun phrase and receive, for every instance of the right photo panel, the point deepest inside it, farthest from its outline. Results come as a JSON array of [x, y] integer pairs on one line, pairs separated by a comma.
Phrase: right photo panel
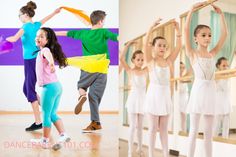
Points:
[[177, 78]]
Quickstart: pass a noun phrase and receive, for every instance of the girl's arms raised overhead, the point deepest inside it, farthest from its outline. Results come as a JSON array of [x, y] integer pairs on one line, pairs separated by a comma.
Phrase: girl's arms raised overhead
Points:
[[147, 47], [223, 30], [177, 49], [188, 48], [122, 56]]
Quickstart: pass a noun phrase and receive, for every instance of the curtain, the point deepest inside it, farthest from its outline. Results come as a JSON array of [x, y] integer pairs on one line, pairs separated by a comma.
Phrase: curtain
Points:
[[229, 47]]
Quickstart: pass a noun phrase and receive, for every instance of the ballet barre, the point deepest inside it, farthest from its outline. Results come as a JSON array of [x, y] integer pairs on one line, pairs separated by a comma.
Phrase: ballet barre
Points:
[[219, 75]]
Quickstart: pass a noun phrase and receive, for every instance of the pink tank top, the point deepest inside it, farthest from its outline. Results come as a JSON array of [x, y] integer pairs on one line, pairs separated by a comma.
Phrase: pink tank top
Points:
[[43, 71]]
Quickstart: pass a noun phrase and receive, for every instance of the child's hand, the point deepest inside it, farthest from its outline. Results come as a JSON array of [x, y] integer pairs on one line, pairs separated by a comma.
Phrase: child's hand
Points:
[[57, 10], [217, 9], [157, 22], [52, 68], [176, 25], [199, 4], [10, 39]]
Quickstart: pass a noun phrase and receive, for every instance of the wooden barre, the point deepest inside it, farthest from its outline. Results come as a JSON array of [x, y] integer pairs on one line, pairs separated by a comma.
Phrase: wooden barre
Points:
[[154, 29], [207, 4], [228, 71], [218, 75]]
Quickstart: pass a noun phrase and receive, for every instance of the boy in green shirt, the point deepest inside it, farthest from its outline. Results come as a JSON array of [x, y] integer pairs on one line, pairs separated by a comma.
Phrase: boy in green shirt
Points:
[[94, 42]]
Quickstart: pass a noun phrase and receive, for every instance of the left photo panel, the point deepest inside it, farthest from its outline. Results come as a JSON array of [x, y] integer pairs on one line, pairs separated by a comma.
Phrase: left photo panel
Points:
[[59, 78]]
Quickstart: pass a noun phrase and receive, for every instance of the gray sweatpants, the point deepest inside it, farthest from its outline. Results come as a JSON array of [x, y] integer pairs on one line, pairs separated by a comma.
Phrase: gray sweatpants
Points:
[[96, 82]]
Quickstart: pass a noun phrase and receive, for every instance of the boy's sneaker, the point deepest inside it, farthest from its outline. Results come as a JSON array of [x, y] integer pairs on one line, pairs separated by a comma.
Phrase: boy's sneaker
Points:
[[34, 126], [42, 142], [93, 126], [80, 103], [62, 139]]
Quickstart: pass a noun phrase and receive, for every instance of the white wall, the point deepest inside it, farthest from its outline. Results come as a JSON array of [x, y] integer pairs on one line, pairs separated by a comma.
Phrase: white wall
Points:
[[64, 19], [136, 16], [11, 77], [13, 99]]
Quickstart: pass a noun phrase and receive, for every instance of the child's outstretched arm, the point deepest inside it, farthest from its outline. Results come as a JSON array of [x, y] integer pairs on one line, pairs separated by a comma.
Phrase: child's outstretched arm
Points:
[[44, 20], [15, 37], [147, 47], [223, 31], [188, 48], [122, 56], [174, 54], [61, 33], [110, 35]]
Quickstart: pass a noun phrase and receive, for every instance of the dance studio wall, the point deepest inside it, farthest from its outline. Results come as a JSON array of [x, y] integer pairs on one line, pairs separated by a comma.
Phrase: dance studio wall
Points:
[[137, 16], [11, 64], [135, 19]]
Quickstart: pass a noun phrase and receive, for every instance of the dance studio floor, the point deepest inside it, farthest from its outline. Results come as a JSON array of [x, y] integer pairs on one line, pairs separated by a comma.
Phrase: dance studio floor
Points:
[[123, 150], [14, 141]]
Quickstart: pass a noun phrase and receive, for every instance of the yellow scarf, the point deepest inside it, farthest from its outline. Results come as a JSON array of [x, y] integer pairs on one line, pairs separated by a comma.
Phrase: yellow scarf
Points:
[[92, 64]]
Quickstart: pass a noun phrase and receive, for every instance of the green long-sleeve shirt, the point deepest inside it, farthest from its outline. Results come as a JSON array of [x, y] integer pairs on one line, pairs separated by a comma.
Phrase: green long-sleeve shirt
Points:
[[93, 41]]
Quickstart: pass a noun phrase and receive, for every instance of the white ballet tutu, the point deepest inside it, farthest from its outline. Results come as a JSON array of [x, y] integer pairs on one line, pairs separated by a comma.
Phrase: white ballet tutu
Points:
[[223, 105], [135, 101], [203, 97], [158, 100], [183, 101]]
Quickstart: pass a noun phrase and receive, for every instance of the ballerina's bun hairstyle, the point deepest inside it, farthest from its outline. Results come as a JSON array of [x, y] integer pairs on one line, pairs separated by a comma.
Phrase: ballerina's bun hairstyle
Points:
[[198, 28], [157, 38], [219, 61], [29, 9], [136, 53]]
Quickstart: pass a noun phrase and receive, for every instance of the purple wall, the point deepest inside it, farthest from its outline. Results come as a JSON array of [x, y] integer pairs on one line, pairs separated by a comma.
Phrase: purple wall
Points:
[[70, 46]]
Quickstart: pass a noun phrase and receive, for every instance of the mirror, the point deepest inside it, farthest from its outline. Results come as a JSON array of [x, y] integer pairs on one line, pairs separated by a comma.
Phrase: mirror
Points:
[[166, 30], [225, 123]]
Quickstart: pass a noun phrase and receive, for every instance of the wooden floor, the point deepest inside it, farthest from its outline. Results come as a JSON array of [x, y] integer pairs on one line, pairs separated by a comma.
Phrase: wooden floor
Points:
[[123, 150], [14, 141]]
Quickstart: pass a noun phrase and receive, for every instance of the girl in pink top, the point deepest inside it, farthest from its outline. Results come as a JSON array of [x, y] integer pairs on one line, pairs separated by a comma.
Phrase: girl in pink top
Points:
[[50, 50]]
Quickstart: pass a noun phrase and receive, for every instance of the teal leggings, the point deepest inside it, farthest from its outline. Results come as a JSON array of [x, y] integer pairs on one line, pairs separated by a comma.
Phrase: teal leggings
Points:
[[50, 99]]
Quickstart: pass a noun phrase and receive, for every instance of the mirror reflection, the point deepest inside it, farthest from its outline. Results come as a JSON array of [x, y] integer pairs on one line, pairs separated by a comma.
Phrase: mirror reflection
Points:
[[224, 126]]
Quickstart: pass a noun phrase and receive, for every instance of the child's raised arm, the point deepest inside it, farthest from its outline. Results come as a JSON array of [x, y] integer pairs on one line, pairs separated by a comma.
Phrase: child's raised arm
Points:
[[122, 56], [174, 54], [188, 48], [15, 37], [44, 20], [147, 48], [223, 31]]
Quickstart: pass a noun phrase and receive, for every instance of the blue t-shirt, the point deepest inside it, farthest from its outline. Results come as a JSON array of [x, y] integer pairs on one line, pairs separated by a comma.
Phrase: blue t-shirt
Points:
[[28, 39]]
